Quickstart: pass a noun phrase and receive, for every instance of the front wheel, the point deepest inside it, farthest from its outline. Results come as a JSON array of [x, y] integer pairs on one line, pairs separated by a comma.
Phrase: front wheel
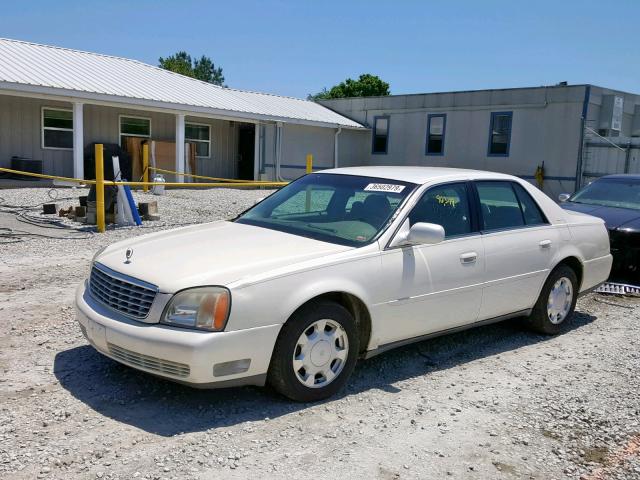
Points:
[[315, 353], [556, 302]]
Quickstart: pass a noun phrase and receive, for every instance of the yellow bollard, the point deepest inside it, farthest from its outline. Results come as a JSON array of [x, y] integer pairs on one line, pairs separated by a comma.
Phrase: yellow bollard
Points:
[[145, 165], [309, 163], [100, 188]]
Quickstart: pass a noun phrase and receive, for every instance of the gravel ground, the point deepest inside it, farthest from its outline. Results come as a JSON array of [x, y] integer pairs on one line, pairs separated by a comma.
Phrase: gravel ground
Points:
[[494, 402]]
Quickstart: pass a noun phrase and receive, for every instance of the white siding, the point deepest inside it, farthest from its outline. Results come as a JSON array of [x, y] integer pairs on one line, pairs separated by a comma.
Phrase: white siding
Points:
[[20, 135]]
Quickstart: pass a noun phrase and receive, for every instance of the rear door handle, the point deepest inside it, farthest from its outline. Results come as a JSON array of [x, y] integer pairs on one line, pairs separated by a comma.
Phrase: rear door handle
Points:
[[469, 257], [545, 244]]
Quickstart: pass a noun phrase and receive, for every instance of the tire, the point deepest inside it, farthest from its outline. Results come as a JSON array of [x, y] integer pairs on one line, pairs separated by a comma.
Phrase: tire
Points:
[[550, 314], [309, 361]]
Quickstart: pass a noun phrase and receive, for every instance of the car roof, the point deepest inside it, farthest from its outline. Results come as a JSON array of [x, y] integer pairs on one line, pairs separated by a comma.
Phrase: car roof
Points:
[[417, 175], [624, 176]]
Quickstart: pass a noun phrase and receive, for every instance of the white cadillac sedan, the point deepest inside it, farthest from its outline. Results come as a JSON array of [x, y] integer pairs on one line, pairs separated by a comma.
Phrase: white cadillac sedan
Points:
[[336, 266]]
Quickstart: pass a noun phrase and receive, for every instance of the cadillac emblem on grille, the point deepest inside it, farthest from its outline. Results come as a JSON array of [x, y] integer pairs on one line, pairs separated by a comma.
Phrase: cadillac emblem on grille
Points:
[[128, 254]]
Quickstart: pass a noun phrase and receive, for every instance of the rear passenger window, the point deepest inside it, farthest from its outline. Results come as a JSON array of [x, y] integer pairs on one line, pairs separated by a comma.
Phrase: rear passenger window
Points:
[[499, 205], [532, 213], [445, 205]]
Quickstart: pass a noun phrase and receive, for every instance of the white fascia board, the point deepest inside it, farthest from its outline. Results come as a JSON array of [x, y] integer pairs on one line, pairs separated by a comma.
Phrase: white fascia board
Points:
[[64, 95]]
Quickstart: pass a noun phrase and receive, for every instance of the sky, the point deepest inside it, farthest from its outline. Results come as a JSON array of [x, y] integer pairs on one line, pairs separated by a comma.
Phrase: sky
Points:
[[298, 47]]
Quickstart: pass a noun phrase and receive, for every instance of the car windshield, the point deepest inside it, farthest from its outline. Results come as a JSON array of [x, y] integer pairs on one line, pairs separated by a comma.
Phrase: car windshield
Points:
[[344, 209], [610, 192]]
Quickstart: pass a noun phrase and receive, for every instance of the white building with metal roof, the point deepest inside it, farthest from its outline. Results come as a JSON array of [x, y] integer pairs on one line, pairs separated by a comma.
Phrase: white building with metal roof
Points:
[[54, 101]]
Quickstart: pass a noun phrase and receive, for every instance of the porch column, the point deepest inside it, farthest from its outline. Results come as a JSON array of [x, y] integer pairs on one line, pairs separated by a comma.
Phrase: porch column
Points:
[[180, 154], [78, 140], [256, 152], [336, 149]]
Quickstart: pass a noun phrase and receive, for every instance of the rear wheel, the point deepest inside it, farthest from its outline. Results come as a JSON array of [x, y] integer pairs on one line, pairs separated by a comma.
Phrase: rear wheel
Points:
[[315, 353], [556, 302]]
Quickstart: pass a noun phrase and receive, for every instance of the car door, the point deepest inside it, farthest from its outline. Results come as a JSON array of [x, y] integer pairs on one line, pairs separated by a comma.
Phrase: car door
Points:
[[429, 288], [519, 245]]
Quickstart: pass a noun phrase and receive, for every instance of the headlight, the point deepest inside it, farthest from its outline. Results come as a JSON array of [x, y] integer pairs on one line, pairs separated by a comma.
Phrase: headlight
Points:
[[203, 308]]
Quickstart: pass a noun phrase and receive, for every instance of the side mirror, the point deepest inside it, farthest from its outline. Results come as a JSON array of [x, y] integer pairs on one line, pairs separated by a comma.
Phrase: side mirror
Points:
[[419, 234], [563, 197], [425, 234]]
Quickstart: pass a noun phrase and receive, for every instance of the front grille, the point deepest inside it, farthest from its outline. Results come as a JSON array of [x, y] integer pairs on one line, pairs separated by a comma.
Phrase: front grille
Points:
[[121, 293], [150, 363]]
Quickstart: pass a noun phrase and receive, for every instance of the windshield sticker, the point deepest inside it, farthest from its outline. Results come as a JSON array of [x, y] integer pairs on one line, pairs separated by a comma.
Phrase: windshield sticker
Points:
[[384, 187]]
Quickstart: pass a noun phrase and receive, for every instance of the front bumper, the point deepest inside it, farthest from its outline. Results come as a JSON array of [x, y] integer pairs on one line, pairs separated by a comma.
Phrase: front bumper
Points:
[[196, 358]]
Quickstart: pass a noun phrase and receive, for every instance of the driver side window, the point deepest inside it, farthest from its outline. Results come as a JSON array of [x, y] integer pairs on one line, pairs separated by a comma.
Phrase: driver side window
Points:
[[446, 205]]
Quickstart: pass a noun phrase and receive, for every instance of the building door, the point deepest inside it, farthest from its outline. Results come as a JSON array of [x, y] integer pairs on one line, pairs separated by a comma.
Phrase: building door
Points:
[[246, 151]]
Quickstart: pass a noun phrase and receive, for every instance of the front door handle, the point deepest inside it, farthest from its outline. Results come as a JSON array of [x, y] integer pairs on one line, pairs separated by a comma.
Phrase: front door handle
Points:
[[469, 257], [545, 244]]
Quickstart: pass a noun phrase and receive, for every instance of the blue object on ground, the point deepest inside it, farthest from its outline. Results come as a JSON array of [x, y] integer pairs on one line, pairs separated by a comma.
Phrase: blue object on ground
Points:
[[132, 205]]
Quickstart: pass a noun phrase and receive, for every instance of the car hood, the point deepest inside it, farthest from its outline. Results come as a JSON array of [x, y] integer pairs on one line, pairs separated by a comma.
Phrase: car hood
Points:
[[211, 254], [613, 217]]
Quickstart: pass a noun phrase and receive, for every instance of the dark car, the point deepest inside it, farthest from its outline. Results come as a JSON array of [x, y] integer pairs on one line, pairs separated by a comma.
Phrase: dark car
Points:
[[615, 199]]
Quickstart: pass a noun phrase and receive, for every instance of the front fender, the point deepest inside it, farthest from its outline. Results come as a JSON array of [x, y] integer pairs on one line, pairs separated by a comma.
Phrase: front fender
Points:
[[273, 301]]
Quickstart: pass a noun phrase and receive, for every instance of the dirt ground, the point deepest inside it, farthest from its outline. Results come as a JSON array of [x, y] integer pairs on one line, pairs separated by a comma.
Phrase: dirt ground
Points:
[[496, 402]]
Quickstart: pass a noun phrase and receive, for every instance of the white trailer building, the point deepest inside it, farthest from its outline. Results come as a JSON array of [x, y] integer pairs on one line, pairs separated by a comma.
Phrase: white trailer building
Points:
[[580, 132]]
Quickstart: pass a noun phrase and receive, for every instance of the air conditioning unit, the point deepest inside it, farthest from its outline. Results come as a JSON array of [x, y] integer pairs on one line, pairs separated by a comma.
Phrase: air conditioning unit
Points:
[[611, 113], [25, 165]]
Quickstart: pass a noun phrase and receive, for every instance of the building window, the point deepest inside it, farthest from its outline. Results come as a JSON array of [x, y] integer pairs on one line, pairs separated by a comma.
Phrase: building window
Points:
[[380, 135], [436, 125], [57, 128], [500, 133], [134, 127], [200, 134]]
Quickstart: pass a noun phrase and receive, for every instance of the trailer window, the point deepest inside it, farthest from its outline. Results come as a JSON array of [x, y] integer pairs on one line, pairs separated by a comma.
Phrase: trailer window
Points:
[[380, 135], [500, 134], [436, 125]]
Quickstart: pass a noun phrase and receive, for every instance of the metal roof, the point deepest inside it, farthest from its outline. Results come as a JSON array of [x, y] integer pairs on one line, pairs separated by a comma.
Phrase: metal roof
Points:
[[43, 69]]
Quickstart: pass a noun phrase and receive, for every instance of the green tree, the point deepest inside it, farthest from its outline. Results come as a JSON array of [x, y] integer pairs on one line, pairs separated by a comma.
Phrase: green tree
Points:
[[202, 68], [366, 85]]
